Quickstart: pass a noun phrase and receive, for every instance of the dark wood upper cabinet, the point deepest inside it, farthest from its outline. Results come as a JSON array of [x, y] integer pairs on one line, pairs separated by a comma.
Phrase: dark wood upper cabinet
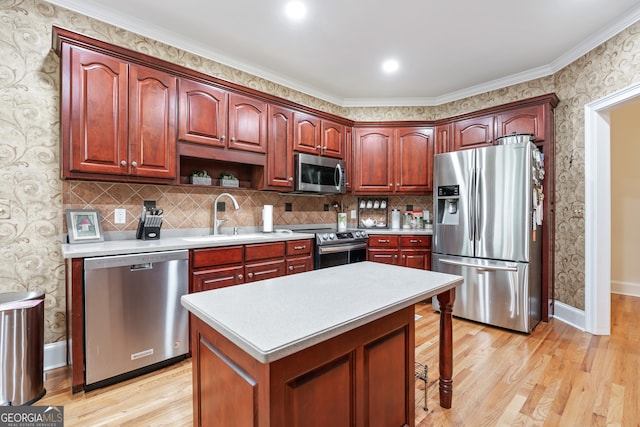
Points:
[[414, 160], [373, 160], [388, 160], [333, 138], [118, 118], [247, 124], [94, 118], [279, 171], [202, 114], [473, 133], [523, 120], [152, 123], [307, 133], [443, 139]]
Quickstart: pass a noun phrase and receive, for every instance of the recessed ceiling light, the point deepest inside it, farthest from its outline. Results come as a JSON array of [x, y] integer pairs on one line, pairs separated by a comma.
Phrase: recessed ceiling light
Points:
[[390, 66], [296, 10]]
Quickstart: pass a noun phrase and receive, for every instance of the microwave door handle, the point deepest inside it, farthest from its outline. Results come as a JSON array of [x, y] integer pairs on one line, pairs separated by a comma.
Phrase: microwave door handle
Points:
[[338, 171]]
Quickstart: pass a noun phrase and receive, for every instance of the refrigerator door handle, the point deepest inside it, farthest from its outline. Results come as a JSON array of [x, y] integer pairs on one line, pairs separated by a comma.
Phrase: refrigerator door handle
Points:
[[477, 266], [477, 202], [470, 212]]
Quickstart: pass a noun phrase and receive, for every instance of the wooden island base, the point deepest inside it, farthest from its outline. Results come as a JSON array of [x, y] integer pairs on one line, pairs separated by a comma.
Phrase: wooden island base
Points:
[[362, 377]]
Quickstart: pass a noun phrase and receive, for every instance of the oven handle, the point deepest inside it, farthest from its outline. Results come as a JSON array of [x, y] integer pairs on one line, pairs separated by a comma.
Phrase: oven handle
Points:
[[340, 248]]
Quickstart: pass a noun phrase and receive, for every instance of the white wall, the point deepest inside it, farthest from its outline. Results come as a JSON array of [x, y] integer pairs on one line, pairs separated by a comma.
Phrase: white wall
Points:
[[625, 199]]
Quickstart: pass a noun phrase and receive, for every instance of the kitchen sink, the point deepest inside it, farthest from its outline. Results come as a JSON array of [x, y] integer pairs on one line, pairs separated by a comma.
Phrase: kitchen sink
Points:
[[226, 237]]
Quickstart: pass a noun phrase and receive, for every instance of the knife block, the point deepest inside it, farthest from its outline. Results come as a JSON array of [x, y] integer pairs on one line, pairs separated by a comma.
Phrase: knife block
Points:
[[146, 231]]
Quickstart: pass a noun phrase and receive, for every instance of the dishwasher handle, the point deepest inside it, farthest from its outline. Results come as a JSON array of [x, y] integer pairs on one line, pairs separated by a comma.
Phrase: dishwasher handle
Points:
[[135, 260]]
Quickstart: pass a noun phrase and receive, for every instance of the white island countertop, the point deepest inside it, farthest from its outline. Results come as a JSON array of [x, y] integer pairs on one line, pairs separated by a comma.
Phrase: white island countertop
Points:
[[274, 318]]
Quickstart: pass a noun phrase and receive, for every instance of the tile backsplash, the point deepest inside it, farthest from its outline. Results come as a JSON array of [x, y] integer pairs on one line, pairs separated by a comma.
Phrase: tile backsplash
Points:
[[189, 207]]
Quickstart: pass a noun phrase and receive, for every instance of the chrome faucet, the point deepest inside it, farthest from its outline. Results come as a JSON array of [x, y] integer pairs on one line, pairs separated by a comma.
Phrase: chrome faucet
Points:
[[216, 221]]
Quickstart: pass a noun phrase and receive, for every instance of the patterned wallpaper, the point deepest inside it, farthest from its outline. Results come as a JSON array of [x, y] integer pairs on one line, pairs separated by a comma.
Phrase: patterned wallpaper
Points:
[[29, 159]]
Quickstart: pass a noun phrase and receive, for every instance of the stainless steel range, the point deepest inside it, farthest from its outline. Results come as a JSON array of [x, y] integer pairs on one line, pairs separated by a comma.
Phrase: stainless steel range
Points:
[[337, 248]]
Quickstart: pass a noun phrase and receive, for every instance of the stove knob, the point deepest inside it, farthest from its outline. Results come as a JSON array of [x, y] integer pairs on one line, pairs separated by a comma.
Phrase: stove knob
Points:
[[358, 234], [325, 236], [332, 236]]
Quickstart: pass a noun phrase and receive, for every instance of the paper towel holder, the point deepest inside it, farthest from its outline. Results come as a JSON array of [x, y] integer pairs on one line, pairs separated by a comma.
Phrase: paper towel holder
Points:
[[267, 219]]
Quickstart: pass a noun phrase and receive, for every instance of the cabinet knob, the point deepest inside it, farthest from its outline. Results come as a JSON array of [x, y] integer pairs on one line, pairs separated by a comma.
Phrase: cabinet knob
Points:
[[240, 277], [398, 184], [318, 147], [404, 256], [395, 257], [233, 139], [324, 148], [123, 163], [222, 138], [291, 268], [390, 185], [134, 164], [291, 178], [250, 275]]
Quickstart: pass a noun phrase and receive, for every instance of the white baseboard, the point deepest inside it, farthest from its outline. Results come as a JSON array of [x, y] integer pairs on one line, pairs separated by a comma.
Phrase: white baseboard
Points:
[[569, 315], [625, 288], [55, 355]]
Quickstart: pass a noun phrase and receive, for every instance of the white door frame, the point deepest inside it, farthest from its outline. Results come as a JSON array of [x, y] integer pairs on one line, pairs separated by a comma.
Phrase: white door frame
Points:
[[597, 221]]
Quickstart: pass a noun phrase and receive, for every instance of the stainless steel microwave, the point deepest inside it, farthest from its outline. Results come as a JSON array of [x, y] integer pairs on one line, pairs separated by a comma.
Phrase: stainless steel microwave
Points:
[[316, 174]]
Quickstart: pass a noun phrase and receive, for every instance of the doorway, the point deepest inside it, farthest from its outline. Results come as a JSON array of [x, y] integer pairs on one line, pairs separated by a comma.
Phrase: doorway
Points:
[[598, 208]]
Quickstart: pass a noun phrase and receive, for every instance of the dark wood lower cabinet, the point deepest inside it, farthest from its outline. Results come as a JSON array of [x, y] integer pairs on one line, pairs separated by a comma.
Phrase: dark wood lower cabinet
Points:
[[362, 377]]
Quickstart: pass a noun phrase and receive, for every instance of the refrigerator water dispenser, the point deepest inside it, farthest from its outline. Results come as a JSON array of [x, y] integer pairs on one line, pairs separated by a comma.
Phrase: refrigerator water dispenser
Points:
[[448, 199]]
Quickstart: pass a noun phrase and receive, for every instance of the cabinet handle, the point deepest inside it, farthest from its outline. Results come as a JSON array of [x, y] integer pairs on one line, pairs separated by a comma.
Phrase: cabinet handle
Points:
[[134, 164], [250, 275], [240, 277], [415, 241], [383, 241], [123, 163], [299, 248]]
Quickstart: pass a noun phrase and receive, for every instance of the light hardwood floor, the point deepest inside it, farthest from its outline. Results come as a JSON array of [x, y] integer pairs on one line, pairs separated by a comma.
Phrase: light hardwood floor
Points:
[[557, 376]]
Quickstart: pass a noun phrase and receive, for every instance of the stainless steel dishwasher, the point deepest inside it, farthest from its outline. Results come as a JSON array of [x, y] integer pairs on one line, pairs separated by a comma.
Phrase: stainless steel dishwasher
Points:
[[133, 319]]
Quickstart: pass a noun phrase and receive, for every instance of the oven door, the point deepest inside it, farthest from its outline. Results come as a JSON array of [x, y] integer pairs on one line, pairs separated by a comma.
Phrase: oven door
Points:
[[334, 255]]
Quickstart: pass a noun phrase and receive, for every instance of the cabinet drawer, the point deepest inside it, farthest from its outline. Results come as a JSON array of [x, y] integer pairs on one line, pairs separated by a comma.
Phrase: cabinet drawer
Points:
[[299, 247], [415, 241], [383, 241], [205, 280], [264, 251], [216, 256], [264, 270], [300, 264]]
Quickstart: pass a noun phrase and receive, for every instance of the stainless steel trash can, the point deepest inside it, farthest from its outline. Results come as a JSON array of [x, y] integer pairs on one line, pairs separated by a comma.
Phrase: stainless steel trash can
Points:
[[21, 347]]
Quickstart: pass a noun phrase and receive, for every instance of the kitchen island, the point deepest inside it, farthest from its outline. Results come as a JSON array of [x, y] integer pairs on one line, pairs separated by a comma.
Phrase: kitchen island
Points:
[[333, 346]]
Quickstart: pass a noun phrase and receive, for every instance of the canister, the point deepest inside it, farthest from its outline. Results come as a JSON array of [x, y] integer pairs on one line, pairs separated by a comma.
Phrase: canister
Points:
[[395, 219]]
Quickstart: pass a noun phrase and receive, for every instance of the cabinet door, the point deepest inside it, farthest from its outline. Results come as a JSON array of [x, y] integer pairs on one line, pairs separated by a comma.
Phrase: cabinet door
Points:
[[348, 157], [247, 124], [443, 139], [332, 139], [264, 270], [306, 138], [413, 160], [373, 161], [280, 148], [416, 258], [220, 277], [95, 120], [152, 129], [522, 120], [473, 133], [202, 113], [384, 256]]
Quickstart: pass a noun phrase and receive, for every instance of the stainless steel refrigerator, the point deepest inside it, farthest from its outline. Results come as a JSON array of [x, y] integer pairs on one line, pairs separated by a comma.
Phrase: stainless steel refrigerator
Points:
[[488, 218]]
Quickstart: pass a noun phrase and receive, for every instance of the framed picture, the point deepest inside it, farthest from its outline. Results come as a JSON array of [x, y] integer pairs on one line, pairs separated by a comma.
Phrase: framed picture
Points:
[[84, 226]]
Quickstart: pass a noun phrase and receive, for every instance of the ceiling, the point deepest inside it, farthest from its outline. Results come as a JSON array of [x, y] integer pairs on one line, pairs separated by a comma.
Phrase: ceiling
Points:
[[447, 49]]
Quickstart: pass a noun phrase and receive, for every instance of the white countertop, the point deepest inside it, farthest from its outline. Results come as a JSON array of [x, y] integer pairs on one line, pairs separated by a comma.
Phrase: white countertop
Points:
[[399, 231], [274, 318], [134, 246]]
